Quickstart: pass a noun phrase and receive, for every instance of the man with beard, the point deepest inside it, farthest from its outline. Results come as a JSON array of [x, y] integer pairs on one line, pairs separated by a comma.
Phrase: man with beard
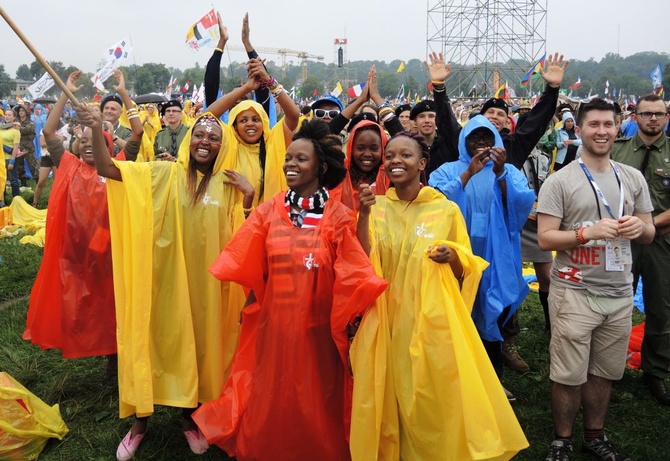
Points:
[[649, 152]]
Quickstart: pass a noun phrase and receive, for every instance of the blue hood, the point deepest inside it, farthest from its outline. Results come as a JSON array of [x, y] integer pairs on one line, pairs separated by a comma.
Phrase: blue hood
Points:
[[478, 121]]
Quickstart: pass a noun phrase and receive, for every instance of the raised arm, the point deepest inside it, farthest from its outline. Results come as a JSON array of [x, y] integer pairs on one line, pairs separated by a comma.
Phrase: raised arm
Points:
[[131, 150], [54, 143], [386, 113], [103, 162], [262, 93], [447, 125], [213, 68], [535, 125], [257, 71], [228, 100]]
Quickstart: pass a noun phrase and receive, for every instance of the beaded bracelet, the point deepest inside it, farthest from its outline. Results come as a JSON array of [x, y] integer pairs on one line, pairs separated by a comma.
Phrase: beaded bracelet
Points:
[[269, 84]]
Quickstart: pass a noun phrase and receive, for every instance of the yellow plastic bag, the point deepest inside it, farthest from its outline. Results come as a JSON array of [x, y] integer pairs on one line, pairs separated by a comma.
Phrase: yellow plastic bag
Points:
[[26, 422]]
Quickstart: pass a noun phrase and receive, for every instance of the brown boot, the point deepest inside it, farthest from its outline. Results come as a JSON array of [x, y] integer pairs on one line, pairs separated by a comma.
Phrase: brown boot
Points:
[[657, 388], [512, 359]]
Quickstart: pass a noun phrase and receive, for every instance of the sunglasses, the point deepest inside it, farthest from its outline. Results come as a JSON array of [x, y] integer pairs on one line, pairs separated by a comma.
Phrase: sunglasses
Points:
[[321, 113]]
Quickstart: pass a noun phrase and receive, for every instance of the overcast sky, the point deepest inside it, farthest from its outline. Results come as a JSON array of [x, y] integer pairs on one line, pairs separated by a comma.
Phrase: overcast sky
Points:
[[76, 32]]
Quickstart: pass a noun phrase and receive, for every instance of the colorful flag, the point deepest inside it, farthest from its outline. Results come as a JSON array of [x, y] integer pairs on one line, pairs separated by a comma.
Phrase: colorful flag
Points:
[[338, 90], [607, 87], [656, 76], [401, 67], [41, 86], [401, 93], [501, 92], [185, 87], [576, 85], [119, 53], [205, 32], [534, 71], [356, 90]]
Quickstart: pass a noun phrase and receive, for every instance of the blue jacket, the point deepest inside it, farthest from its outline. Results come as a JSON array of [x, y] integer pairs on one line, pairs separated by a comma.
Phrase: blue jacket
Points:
[[494, 229], [562, 135]]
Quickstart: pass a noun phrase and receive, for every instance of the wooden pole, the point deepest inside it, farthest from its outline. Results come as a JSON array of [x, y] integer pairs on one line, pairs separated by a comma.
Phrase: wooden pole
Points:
[[38, 56]]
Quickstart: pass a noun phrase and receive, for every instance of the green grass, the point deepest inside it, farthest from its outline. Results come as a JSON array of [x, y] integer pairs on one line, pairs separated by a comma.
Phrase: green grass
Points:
[[89, 402]]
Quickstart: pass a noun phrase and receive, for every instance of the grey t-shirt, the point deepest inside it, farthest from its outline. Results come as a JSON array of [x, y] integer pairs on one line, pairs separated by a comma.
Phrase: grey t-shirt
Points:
[[568, 195]]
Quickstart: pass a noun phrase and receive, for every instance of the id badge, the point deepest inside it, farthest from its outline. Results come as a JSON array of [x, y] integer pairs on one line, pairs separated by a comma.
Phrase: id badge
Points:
[[618, 253]]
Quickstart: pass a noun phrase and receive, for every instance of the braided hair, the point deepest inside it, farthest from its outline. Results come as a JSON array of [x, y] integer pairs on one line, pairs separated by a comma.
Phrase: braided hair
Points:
[[328, 150]]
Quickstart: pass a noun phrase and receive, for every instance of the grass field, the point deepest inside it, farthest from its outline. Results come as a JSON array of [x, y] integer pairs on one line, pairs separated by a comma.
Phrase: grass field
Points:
[[89, 402]]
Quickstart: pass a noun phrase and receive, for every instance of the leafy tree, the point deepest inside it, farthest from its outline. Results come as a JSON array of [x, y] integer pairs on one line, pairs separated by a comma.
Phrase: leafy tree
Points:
[[6, 83], [310, 84], [23, 72]]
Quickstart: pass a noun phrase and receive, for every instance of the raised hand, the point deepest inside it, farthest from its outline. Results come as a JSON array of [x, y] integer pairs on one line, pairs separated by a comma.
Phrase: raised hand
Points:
[[256, 70], [553, 70], [240, 183], [121, 85], [88, 116], [246, 31], [366, 197], [71, 82], [437, 69], [223, 30]]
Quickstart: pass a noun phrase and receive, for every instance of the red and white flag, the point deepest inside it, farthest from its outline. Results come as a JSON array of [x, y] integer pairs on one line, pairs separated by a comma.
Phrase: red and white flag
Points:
[[186, 86], [356, 90], [575, 85]]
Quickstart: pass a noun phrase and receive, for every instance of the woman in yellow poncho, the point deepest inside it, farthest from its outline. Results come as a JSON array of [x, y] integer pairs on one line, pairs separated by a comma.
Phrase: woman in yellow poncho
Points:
[[255, 150], [424, 388], [177, 326]]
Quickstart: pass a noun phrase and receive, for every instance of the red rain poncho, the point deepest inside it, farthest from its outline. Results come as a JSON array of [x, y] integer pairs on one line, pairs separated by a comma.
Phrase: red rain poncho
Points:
[[289, 394]]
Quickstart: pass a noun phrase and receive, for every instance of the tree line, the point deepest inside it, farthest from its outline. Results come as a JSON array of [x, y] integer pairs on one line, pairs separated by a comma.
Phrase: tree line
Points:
[[628, 75]]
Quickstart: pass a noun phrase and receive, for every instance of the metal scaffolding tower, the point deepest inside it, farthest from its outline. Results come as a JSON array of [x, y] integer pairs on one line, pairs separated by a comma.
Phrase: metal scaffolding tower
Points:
[[487, 42]]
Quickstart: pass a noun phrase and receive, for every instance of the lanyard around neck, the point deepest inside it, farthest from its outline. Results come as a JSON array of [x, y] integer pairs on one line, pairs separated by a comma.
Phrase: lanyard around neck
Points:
[[599, 193]]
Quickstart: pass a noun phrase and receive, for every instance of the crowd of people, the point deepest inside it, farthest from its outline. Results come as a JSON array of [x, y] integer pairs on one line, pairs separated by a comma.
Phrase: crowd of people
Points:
[[342, 282]]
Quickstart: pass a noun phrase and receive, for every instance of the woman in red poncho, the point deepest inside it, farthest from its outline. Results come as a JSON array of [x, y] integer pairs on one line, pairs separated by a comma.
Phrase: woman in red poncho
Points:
[[289, 393], [72, 300]]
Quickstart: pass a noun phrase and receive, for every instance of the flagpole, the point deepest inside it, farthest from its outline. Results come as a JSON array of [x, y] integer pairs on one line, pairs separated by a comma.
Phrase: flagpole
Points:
[[38, 56]]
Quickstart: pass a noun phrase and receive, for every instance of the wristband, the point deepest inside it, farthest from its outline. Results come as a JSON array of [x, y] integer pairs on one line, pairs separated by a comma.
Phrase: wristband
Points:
[[219, 49], [12, 161], [502, 176], [580, 236]]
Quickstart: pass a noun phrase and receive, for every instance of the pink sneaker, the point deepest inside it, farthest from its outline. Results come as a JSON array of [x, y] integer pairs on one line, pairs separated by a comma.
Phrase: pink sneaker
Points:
[[196, 441], [128, 446]]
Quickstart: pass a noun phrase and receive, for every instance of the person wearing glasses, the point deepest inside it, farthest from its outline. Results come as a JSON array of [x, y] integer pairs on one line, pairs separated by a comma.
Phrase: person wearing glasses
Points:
[[495, 200], [649, 152], [327, 108], [168, 140]]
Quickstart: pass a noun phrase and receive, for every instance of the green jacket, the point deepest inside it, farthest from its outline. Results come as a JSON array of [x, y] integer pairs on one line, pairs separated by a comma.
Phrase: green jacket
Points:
[[163, 141], [631, 151]]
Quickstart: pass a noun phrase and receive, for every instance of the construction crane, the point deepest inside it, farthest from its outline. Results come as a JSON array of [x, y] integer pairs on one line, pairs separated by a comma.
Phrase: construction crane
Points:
[[283, 52]]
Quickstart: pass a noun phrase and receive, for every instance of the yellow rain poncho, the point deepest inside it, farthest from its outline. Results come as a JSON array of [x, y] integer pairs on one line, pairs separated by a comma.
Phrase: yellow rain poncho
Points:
[[151, 128], [186, 114], [244, 158], [177, 326], [424, 388]]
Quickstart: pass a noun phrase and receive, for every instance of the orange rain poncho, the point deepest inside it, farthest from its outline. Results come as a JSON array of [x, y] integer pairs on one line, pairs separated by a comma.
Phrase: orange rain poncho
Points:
[[289, 393], [72, 300], [424, 387], [346, 192]]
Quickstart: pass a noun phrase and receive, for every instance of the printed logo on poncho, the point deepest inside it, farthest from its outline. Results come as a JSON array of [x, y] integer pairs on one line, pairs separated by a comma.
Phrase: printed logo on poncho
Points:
[[102, 179], [208, 200], [421, 231], [310, 262]]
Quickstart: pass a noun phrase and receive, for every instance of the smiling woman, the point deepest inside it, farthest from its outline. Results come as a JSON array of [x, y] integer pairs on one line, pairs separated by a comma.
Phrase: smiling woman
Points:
[[190, 208], [311, 282]]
